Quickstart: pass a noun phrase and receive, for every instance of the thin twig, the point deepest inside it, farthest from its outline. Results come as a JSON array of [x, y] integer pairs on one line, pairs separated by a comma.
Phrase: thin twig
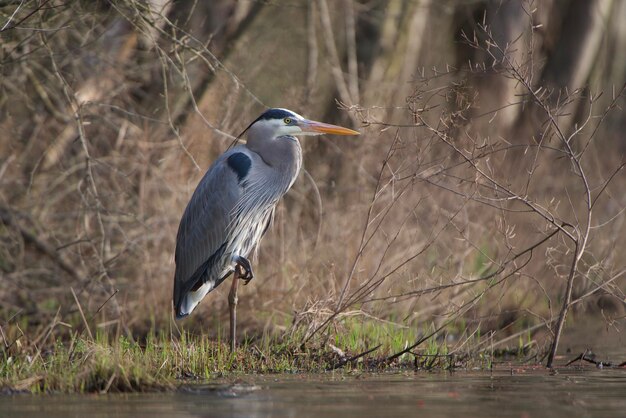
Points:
[[82, 314]]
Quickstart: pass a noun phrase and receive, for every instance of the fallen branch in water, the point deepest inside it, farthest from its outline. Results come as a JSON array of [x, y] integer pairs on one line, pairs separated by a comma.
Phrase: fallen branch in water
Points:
[[589, 357], [342, 362]]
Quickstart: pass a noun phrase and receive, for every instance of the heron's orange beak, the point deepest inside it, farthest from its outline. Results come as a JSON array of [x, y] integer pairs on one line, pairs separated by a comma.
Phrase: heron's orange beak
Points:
[[313, 127]]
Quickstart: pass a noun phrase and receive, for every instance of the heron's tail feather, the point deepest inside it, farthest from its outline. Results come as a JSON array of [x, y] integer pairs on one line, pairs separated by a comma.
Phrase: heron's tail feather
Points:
[[180, 315], [191, 299], [188, 293]]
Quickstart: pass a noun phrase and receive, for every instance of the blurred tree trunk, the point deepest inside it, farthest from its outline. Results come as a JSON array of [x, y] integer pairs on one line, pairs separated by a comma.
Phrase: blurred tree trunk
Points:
[[509, 26], [397, 62], [609, 76], [215, 24], [119, 42], [569, 66], [582, 34]]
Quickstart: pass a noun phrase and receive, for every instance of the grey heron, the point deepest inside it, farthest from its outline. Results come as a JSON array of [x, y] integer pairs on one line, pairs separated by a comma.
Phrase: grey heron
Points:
[[233, 205]]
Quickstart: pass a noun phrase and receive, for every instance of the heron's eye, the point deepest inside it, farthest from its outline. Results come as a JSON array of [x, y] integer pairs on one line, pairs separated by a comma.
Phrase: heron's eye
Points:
[[287, 121]]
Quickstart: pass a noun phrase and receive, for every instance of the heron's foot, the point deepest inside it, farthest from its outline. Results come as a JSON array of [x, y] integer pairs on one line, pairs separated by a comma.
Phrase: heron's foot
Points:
[[245, 269]]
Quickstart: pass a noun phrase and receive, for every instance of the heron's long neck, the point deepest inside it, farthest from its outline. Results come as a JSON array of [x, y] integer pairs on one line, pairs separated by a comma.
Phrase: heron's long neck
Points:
[[283, 154]]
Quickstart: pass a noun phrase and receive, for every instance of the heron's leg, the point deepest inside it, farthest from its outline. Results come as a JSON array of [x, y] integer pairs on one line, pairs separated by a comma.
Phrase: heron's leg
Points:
[[246, 268], [232, 305]]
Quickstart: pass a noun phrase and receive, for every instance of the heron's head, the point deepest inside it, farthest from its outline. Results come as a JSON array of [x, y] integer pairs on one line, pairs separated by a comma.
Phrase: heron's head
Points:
[[277, 122]]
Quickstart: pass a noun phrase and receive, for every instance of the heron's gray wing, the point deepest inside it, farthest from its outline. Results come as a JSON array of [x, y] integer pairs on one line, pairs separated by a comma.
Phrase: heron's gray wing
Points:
[[203, 227]]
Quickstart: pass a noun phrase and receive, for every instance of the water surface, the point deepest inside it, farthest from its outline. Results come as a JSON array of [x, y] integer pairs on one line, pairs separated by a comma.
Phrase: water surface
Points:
[[518, 393]]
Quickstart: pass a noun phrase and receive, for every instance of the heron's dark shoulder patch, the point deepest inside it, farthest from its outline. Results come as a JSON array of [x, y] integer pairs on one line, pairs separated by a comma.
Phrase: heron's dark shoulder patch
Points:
[[240, 163]]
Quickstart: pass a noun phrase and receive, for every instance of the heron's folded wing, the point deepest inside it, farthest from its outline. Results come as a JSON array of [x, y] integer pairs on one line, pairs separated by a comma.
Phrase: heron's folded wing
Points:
[[203, 227]]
